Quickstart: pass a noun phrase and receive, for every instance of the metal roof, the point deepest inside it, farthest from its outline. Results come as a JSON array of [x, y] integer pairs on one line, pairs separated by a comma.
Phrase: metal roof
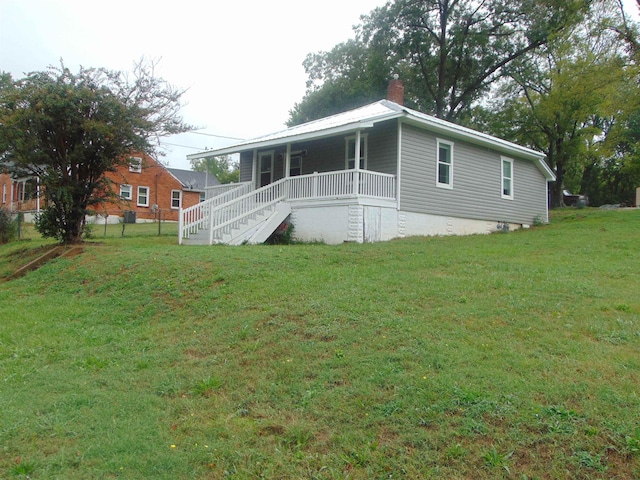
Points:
[[366, 117]]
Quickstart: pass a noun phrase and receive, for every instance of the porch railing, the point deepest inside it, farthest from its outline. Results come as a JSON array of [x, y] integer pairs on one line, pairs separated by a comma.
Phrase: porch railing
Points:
[[223, 213], [198, 216], [218, 190]]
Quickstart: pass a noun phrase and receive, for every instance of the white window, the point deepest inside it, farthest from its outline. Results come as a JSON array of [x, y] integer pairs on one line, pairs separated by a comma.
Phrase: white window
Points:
[[203, 196], [143, 196], [444, 172], [135, 164], [125, 192], [176, 198], [4, 193], [507, 178], [350, 152], [295, 169]]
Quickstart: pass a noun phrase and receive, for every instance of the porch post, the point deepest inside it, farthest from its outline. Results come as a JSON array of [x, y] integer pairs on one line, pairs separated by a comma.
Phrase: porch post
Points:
[[287, 161], [255, 171], [356, 165], [287, 170], [12, 194]]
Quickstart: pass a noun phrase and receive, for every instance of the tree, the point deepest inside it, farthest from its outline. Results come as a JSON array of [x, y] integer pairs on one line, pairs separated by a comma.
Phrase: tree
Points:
[[224, 168], [70, 129], [563, 100], [448, 52]]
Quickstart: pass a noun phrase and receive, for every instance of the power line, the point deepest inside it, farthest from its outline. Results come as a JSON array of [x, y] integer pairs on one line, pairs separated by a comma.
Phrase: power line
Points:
[[213, 135], [183, 146]]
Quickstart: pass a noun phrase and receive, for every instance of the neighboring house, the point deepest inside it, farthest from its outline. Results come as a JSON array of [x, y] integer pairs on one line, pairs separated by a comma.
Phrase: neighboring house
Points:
[[375, 173], [20, 195], [149, 191]]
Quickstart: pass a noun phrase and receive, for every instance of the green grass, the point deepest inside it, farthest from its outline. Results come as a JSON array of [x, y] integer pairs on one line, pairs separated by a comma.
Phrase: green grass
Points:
[[502, 356]]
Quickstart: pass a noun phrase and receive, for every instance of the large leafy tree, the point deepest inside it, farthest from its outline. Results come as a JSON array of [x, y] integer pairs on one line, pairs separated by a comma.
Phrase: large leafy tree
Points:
[[448, 52], [223, 167], [566, 99], [69, 129]]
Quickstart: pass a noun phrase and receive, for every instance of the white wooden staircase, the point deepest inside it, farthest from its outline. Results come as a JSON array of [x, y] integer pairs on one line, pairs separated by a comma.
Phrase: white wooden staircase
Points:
[[238, 216]]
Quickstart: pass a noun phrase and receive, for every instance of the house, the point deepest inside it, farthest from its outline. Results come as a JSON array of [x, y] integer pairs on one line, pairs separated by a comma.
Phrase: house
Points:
[[375, 173], [20, 195], [147, 191], [150, 191]]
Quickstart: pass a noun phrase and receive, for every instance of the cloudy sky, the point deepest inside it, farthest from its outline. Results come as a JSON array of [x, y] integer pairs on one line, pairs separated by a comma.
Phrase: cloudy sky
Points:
[[241, 60]]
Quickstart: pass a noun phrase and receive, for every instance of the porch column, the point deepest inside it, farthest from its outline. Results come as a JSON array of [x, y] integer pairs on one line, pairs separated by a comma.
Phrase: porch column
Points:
[[356, 165], [12, 194], [287, 161], [255, 171]]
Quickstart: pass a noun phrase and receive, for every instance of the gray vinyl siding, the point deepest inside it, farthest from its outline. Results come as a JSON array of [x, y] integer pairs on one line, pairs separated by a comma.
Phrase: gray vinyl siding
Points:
[[246, 166], [477, 182]]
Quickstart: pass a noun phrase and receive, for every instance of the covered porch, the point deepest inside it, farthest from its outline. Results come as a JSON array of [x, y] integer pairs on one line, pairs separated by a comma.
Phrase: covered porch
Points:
[[245, 214]]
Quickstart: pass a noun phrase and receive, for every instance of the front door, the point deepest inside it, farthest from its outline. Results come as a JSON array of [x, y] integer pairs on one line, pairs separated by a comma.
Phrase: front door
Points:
[[265, 167]]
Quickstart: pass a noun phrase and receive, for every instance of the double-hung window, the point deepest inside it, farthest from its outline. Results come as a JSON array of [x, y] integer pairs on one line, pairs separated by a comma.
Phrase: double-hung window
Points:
[[507, 178], [143, 196], [176, 199], [125, 192], [350, 153], [135, 164], [444, 172]]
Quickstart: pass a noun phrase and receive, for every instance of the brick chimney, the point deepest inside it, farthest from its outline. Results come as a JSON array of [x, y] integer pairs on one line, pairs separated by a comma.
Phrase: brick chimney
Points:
[[395, 90]]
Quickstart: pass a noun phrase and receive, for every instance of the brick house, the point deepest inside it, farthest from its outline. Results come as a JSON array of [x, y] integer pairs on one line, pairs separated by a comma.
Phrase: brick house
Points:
[[148, 190]]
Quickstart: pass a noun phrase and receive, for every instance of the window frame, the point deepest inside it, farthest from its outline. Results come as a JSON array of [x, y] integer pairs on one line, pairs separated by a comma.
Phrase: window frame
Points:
[[449, 145], [146, 204], [135, 164], [126, 187], [4, 193], [503, 161], [179, 199], [363, 152]]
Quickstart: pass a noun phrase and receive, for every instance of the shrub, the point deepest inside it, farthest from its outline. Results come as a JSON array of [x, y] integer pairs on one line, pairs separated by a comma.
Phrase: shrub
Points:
[[8, 226]]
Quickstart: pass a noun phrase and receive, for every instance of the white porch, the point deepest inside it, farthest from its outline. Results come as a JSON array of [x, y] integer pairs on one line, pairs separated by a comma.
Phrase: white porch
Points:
[[241, 214]]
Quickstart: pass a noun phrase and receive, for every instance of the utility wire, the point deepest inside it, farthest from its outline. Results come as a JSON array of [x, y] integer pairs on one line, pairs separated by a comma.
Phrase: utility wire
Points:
[[212, 135]]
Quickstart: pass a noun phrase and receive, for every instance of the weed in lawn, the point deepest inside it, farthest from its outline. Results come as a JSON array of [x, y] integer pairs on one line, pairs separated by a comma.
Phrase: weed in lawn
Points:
[[633, 442], [592, 461], [496, 459], [207, 387]]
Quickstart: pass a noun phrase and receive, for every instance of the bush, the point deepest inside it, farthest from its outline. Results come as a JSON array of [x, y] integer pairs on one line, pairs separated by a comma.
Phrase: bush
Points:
[[8, 226]]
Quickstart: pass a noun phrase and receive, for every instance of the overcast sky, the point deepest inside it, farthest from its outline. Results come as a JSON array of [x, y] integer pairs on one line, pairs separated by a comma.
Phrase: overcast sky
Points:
[[241, 60]]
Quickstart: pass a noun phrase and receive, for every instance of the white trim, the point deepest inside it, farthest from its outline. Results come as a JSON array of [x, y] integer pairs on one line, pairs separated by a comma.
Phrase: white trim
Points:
[[4, 193], [135, 164], [146, 196], [510, 161], [179, 199], [448, 185], [130, 190]]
